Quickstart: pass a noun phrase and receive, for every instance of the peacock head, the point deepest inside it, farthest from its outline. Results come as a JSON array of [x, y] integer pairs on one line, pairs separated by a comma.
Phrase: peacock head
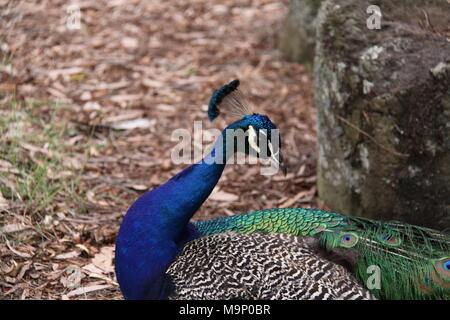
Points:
[[253, 134]]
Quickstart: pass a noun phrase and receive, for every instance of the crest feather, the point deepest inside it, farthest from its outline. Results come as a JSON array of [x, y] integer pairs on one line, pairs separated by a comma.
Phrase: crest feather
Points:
[[228, 97]]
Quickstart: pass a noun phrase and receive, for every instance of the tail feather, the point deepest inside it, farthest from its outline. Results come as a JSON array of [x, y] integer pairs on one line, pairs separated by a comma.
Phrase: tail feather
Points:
[[413, 261], [408, 257]]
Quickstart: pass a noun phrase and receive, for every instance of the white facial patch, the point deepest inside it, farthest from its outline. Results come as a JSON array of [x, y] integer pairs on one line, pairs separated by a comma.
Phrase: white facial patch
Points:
[[273, 155], [253, 138]]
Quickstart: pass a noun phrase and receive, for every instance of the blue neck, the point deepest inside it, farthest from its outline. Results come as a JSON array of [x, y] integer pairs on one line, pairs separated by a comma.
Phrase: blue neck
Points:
[[155, 227]]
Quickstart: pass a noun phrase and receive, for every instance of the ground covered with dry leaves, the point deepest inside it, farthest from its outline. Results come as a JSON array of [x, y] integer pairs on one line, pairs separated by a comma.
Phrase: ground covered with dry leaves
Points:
[[87, 117]]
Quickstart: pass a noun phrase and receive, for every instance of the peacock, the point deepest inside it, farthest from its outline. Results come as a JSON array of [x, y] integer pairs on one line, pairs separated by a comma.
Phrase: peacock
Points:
[[161, 255], [396, 260], [290, 253]]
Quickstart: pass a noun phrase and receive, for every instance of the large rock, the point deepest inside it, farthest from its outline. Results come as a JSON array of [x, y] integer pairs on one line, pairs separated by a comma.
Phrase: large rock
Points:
[[383, 101]]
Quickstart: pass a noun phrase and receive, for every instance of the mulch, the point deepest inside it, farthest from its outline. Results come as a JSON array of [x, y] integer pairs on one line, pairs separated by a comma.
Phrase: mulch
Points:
[[132, 74]]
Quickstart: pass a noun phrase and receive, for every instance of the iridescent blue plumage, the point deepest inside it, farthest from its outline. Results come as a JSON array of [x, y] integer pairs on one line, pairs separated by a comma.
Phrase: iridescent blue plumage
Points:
[[156, 227]]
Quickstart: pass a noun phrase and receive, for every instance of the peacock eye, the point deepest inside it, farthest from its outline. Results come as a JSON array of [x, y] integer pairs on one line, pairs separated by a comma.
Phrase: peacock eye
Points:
[[447, 265], [348, 240], [443, 267]]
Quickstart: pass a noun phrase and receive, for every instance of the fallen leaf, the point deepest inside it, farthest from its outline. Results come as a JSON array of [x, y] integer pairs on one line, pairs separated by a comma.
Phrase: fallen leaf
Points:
[[133, 124], [86, 95], [82, 247], [68, 255], [126, 115], [14, 227], [150, 83], [104, 259], [138, 187], [4, 205], [73, 278], [93, 272], [53, 74], [84, 290], [129, 43], [5, 164], [92, 268], [223, 196], [26, 266], [10, 269], [90, 106], [126, 97], [20, 254], [298, 196]]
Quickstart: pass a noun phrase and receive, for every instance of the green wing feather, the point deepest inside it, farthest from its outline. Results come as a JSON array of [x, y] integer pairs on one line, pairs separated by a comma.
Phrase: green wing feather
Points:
[[395, 260], [296, 221]]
